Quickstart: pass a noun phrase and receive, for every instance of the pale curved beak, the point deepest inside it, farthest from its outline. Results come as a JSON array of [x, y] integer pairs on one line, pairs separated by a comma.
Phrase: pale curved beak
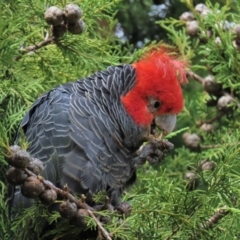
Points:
[[166, 123]]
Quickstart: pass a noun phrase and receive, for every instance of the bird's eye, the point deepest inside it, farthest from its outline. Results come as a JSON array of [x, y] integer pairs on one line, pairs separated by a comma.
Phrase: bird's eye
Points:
[[157, 104]]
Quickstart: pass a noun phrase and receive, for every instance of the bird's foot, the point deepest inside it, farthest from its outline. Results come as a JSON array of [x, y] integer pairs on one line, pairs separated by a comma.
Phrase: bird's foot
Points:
[[153, 152], [124, 208]]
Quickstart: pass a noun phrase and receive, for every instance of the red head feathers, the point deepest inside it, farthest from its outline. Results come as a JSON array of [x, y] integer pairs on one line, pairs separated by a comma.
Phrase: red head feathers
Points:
[[158, 75]]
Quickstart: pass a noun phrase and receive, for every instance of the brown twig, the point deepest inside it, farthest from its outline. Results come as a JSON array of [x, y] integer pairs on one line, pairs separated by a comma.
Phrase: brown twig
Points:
[[213, 220], [105, 233], [61, 193], [65, 194], [219, 116], [35, 47], [172, 233], [18, 153], [218, 145], [209, 146], [100, 234], [195, 76]]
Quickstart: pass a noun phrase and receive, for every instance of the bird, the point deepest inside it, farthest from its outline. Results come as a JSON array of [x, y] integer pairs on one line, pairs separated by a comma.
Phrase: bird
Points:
[[88, 133]]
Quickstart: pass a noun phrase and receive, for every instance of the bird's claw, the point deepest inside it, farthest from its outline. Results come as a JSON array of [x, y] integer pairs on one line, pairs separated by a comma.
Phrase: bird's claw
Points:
[[155, 157], [163, 145], [153, 152], [124, 208]]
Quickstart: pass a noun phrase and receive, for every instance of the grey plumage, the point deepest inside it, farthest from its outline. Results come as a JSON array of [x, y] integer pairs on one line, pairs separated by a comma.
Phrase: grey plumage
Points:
[[84, 136]]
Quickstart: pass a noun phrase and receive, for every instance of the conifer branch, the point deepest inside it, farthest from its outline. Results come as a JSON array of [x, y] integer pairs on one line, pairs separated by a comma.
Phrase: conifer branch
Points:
[[211, 222], [64, 194], [35, 47], [18, 154], [215, 218], [172, 233], [209, 146], [103, 230], [218, 145], [218, 117], [195, 76]]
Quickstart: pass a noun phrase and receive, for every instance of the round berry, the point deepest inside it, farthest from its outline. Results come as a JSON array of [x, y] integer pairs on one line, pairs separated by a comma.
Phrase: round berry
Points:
[[191, 141], [76, 28], [191, 180], [207, 127], [48, 196], [187, 16], [79, 218], [67, 209], [72, 13], [15, 176], [210, 85], [200, 7], [53, 15], [236, 30], [192, 28], [36, 166], [236, 44], [207, 165], [19, 158], [223, 102], [32, 187]]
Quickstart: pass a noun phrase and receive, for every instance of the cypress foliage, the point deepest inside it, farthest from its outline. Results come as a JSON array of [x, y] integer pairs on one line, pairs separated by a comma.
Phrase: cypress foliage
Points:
[[194, 193], [25, 74]]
